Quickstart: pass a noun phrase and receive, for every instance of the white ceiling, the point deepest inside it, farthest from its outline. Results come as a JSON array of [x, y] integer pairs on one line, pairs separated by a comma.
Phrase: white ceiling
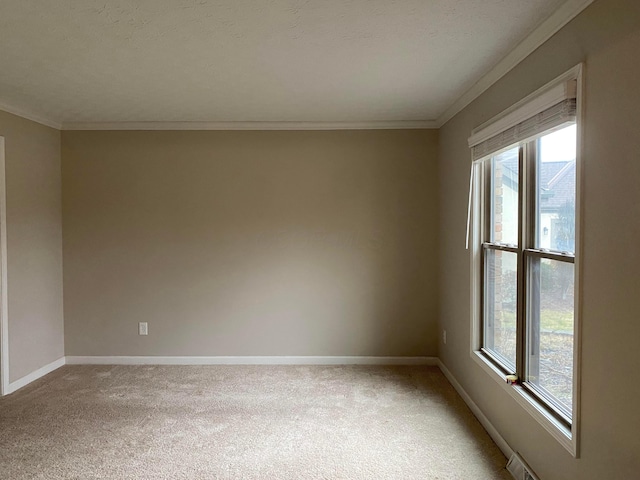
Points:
[[253, 60]]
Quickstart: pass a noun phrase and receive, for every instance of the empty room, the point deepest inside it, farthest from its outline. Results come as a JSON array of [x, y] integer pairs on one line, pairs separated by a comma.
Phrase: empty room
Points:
[[300, 239]]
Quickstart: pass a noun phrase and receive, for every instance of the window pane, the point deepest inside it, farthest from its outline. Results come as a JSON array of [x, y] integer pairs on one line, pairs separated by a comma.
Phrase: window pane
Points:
[[501, 289], [550, 329], [556, 191], [504, 197]]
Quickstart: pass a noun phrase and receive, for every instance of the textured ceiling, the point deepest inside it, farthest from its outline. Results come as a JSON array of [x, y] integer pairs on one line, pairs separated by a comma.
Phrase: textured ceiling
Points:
[[252, 60]]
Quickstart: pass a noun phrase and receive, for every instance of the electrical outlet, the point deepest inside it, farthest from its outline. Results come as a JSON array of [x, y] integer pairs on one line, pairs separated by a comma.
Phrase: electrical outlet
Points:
[[143, 328], [444, 337]]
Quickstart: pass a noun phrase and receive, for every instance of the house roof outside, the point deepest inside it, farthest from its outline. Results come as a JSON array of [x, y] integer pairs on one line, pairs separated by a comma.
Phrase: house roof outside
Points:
[[557, 181]]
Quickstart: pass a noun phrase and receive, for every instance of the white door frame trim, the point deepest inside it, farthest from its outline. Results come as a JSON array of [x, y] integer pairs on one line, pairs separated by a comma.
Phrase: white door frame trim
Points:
[[4, 309]]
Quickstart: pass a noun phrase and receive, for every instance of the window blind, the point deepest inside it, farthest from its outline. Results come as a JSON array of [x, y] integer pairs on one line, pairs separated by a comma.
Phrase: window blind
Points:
[[532, 127], [541, 112]]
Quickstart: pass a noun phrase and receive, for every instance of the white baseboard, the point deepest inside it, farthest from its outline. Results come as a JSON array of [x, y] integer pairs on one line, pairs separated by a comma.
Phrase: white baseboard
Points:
[[241, 360], [41, 372], [491, 430]]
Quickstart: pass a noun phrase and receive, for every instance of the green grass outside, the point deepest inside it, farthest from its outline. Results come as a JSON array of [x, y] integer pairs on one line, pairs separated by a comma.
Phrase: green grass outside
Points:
[[557, 320], [550, 320]]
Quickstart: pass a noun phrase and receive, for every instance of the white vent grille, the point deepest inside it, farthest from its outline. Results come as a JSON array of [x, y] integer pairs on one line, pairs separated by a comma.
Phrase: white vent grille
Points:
[[520, 470]]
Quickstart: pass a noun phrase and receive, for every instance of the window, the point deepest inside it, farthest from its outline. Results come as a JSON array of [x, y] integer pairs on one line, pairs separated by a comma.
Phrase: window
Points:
[[524, 179]]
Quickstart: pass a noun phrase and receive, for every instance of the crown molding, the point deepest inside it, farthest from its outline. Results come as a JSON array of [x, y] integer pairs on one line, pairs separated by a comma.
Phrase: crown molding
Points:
[[567, 12], [34, 117], [388, 125]]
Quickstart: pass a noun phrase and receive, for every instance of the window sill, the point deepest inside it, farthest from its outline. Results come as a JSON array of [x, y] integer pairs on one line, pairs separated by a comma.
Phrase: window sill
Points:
[[566, 438]]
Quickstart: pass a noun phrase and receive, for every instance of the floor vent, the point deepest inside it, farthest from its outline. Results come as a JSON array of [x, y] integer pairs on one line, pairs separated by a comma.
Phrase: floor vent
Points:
[[520, 470]]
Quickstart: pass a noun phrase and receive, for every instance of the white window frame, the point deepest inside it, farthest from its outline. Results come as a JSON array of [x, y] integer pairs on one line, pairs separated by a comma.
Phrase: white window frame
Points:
[[534, 103]]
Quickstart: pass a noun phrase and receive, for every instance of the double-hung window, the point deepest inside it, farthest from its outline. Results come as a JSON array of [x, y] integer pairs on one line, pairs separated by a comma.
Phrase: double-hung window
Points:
[[525, 200]]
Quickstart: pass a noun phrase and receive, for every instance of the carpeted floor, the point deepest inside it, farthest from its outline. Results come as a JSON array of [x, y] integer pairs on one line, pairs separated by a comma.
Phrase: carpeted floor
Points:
[[243, 422]]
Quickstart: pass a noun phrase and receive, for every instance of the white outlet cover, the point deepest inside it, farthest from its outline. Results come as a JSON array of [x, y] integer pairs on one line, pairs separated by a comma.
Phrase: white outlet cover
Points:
[[143, 328]]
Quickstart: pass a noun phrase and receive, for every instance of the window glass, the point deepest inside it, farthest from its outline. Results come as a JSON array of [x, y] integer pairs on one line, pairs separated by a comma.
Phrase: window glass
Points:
[[556, 191], [504, 197], [501, 287], [550, 333]]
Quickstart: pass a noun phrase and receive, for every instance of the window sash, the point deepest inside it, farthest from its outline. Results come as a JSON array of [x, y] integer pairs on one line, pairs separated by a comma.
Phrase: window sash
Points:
[[552, 406], [563, 414], [506, 365]]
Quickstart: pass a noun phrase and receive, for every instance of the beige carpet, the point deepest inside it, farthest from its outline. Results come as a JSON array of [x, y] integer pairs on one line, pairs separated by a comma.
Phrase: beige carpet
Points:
[[243, 422]]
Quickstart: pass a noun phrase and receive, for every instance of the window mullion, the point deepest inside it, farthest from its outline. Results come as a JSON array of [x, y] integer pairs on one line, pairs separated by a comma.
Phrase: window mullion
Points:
[[487, 220], [485, 217], [526, 237], [522, 193], [529, 300]]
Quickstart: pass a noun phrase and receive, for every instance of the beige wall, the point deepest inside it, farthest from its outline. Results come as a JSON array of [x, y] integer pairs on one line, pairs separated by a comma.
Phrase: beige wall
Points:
[[250, 243], [34, 244], [607, 36]]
